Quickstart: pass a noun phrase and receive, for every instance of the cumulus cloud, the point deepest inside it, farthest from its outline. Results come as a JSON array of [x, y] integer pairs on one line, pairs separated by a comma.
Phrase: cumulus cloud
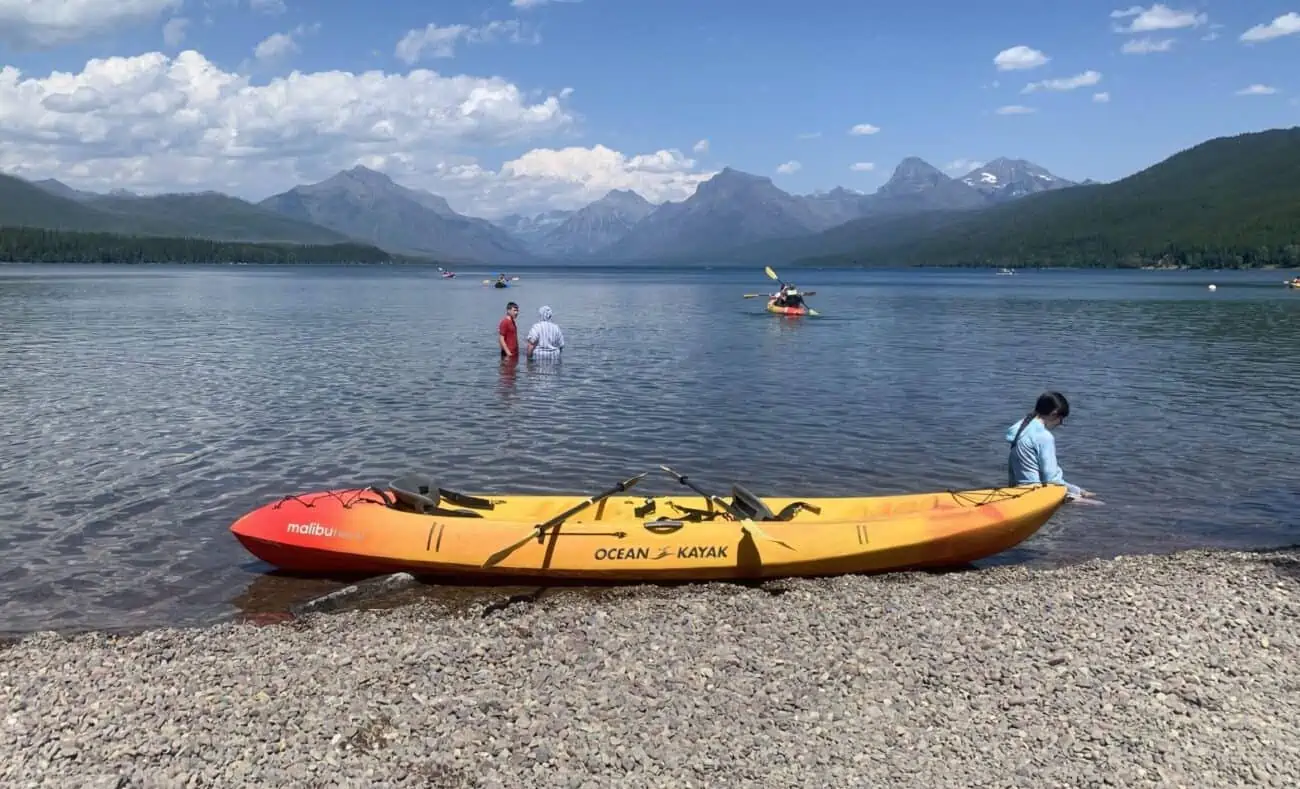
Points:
[[1257, 90], [789, 167], [434, 41], [863, 129], [1102, 97], [38, 25], [701, 147], [1083, 80], [1157, 17], [1019, 58], [153, 122], [1146, 46], [1015, 109], [1286, 25], [573, 177], [962, 165], [862, 167], [174, 31]]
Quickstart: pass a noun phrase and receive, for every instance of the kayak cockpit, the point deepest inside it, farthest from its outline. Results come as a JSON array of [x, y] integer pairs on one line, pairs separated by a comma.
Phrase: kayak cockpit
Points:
[[423, 496]]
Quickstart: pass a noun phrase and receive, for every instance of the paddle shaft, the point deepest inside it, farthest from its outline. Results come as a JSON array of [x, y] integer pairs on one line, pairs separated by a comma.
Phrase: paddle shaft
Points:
[[540, 530], [574, 510], [747, 523], [711, 498]]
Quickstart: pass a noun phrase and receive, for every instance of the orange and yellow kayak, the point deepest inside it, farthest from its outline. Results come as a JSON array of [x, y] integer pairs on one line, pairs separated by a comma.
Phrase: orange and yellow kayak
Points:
[[631, 538], [801, 310]]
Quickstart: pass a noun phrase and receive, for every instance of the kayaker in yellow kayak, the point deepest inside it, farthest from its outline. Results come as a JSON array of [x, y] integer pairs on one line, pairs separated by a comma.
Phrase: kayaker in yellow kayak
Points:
[[788, 296], [1033, 447]]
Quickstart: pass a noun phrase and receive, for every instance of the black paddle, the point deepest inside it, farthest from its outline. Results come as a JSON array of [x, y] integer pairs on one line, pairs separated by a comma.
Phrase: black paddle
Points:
[[555, 522], [746, 524]]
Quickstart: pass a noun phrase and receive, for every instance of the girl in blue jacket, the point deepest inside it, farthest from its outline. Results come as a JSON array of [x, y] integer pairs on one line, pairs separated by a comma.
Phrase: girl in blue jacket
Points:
[[1033, 447]]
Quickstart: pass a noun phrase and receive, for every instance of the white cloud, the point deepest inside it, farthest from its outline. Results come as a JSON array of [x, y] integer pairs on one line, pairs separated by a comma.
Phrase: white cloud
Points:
[[1257, 90], [156, 123], [962, 165], [1158, 17], [440, 42], [269, 7], [27, 24], [1102, 97], [1083, 80], [1146, 46], [174, 31], [701, 147], [279, 45], [789, 167], [276, 45], [862, 167], [1019, 58], [573, 177], [1286, 25], [863, 129], [1015, 109]]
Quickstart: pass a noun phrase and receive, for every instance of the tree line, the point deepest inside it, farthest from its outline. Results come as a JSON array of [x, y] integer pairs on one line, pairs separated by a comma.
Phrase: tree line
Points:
[[36, 245]]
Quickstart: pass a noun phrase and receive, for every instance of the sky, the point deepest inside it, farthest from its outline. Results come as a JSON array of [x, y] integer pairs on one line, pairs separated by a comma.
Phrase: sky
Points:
[[521, 106]]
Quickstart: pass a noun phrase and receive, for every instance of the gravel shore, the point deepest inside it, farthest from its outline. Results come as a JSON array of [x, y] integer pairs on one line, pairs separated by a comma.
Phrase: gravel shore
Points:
[[1178, 670]]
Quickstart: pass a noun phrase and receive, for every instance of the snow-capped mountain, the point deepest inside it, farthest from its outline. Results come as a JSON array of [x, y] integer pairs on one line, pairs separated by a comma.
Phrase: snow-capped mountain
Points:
[[1007, 179]]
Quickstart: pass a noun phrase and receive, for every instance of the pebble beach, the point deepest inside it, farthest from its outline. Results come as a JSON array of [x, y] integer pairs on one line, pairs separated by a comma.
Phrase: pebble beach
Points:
[[1174, 671]]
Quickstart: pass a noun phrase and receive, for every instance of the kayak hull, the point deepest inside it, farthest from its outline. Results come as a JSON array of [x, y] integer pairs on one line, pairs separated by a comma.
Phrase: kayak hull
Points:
[[363, 531], [791, 311]]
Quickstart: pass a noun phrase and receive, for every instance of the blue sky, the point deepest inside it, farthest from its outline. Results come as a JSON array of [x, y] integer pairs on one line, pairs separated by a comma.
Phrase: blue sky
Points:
[[764, 84]]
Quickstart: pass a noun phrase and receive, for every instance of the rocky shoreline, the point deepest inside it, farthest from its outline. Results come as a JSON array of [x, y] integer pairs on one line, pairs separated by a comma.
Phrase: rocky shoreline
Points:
[[1180, 670]]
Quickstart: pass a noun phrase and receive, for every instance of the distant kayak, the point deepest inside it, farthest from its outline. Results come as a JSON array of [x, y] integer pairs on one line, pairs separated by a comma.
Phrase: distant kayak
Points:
[[448, 274], [803, 309]]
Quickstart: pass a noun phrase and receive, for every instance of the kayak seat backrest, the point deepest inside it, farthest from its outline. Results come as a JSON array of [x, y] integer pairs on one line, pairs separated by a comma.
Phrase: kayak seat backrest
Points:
[[415, 492], [745, 501], [422, 495]]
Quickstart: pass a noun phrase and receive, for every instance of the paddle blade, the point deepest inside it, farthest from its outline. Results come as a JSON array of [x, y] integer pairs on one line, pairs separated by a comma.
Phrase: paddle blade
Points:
[[753, 529], [770, 273], [500, 555], [754, 295]]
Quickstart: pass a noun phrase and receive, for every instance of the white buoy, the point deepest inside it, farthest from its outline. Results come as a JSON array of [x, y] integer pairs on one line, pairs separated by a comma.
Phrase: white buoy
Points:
[[1214, 287]]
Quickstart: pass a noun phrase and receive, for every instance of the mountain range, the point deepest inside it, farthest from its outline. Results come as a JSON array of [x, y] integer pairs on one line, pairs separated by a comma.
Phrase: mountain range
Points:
[[919, 214], [731, 209]]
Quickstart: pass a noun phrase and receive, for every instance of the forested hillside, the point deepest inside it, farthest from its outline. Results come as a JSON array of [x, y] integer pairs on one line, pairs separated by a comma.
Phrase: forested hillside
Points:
[[1229, 202], [33, 245]]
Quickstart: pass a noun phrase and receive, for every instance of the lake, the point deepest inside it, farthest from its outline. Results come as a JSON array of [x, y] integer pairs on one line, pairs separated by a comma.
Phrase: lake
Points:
[[146, 407]]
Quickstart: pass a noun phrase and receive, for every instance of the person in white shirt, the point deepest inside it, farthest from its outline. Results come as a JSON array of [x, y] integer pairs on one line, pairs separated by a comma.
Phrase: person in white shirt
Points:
[[545, 340]]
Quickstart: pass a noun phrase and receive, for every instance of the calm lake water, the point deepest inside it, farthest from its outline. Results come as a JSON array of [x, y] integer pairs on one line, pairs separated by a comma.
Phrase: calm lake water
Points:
[[145, 408]]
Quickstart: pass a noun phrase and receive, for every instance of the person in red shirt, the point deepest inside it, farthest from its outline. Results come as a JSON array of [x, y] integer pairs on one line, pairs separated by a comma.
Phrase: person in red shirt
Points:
[[508, 333]]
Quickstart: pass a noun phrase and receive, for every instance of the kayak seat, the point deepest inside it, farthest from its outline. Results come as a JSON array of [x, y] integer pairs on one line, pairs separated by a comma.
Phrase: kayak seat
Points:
[[744, 500], [422, 495], [750, 505]]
